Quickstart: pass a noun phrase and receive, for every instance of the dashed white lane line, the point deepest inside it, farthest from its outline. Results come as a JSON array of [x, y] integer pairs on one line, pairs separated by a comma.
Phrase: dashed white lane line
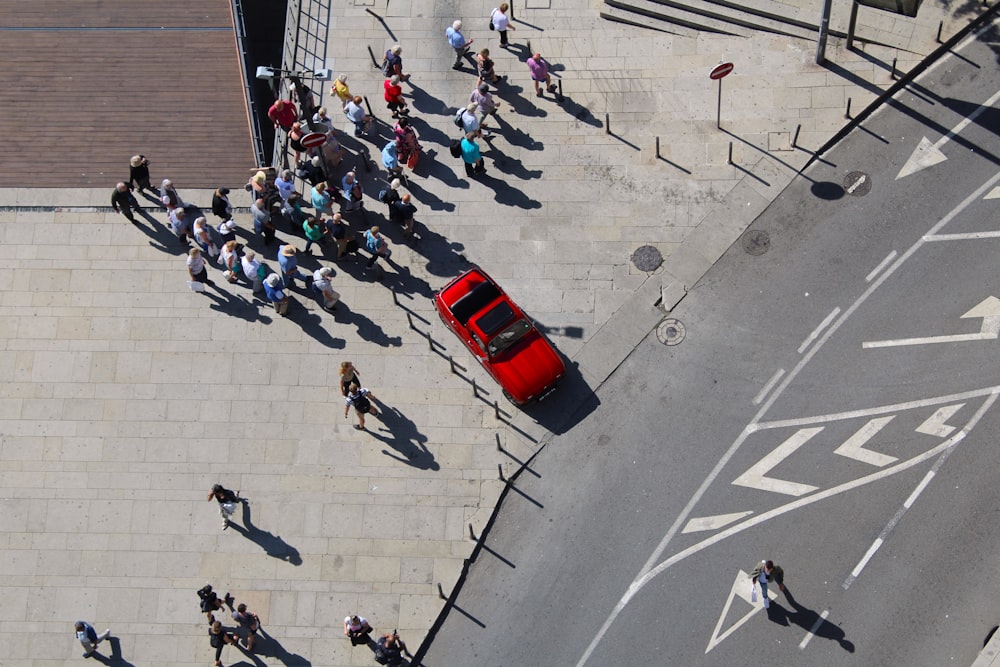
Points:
[[769, 386], [813, 629], [818, 330], [878, 269]]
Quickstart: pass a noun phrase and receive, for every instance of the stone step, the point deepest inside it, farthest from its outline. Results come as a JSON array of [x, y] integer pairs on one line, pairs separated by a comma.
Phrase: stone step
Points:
[[715, 16]]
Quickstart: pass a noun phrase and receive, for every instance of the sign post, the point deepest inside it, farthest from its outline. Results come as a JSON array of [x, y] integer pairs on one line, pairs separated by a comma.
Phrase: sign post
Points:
[[717, 74]]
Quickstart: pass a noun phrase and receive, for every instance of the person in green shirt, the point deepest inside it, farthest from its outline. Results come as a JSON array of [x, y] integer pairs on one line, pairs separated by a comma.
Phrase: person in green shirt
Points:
[[315, 230]]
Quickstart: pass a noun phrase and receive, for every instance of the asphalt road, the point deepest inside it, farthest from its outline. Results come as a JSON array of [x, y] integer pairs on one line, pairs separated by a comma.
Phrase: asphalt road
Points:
[[832, 407]]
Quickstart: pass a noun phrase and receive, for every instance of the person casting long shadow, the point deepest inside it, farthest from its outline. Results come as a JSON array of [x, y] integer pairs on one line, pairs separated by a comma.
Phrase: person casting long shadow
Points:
[[807, 618], [269, 542]]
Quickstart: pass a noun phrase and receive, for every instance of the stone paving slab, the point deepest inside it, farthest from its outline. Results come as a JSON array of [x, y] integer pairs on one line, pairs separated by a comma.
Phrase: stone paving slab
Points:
[[124, 396]]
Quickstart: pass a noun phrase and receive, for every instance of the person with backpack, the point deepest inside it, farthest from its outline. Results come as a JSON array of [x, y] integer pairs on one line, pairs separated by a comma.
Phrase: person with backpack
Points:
[[389, 649], [393, 63], [466, 120], [361, 400]]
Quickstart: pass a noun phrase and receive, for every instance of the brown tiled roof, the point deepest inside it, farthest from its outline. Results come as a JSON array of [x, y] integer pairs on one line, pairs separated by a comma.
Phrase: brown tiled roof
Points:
[[88, 83]]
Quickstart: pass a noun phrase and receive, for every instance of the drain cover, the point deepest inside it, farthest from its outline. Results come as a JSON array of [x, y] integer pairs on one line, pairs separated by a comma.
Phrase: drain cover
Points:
[[671, 331], [756, 242], [647, 258], [857, 184]]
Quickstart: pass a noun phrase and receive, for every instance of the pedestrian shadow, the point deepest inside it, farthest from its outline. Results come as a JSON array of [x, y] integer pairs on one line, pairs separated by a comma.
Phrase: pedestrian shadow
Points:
[[521, 51], [269, 647], [506, 194], [515, 136], [508, 165], [402, 435], [312, 325], [580, 112], [237, 306], [117, 660], [808, 620], [431, 167], [429, 199], [272, 544], [429, 134], [444, 257], [522, 105], [405, 283], [426, 103], [366, 328]]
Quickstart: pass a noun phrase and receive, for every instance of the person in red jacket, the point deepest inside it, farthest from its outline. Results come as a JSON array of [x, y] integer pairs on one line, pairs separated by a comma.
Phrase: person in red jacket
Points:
[[394, 96]]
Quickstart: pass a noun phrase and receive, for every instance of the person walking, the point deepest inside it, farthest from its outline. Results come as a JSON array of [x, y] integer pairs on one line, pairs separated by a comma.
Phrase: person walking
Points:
[[251, 270], [341, 234], [352, 191], [321, 199], [275, 294], [356, 114], [468, 121], [389, 649], [248, 623], [89, 638], [458, 42], [393, 95], [282, 113], [349, 375], [262, 224], [539, 70], [123, 202], [393, 63], [342, 90], [229, 261], [285, 182], [390, 160], [361, 399], [407, 144], [288, 261], [227, 231], [323, 285], [218, 638], [486, 68], [764, 573], [209, 602], [138, 173], [197, 269], [501, 23], [179, 224], [169, 196], [315, 231], [203, 237], [221, 206], [485, 104], [377, 246], [227, 500], [474, 165], [357, 629], [401, 212]]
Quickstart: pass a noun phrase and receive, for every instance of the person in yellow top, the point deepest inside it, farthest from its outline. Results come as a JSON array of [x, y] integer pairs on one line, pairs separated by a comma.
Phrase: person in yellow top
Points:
[[342, 90]]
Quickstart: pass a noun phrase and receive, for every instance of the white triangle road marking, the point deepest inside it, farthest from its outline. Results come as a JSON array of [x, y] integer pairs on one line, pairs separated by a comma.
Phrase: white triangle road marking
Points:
[[935, 424], [741, 590], [700, 523]]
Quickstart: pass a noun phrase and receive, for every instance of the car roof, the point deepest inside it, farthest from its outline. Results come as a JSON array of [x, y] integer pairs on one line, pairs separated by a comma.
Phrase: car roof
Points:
[[478, 298]]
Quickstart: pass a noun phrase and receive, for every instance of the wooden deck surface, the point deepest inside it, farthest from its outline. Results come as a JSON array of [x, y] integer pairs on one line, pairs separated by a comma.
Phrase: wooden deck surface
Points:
[[89, 83]]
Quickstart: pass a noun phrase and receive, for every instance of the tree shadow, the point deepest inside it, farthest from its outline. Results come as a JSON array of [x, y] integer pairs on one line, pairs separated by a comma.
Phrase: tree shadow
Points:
[[272, 544], [808, 620], [366, 328], [403, 436]]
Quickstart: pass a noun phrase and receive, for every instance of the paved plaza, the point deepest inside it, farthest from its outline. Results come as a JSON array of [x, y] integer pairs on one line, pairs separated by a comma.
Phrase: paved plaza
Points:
[[125, 396]]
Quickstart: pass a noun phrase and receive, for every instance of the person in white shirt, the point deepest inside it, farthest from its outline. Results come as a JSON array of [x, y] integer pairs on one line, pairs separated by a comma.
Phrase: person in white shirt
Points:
[[357, 628], [285, 184], [251, 268], [501, 23]]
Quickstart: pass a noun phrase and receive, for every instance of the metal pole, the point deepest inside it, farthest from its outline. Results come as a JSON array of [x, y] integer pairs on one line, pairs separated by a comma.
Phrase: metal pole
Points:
[[851, 25], [824, 28], [718, 108]]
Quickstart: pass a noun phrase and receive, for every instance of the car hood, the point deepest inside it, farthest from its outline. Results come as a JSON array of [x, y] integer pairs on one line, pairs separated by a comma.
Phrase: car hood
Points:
[[528, 368]]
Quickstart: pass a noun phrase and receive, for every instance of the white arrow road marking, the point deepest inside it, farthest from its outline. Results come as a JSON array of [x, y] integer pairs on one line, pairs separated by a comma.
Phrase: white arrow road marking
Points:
[[988, 309], [993, 194], [755, 476], [741, 590], [928, 154], [701, 523], [854, 447], [935, 424]]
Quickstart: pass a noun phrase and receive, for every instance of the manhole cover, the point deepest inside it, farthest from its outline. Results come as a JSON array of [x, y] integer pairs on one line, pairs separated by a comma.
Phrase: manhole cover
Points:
[[671, 331], [647, 258], [756, 242], [857, 184]]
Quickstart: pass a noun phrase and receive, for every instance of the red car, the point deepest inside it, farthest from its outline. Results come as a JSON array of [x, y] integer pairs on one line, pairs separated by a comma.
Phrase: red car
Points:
[[501, 336]]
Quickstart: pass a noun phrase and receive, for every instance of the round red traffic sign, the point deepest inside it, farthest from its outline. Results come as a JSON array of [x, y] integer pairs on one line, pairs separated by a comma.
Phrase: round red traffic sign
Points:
[[313, 139], [720, 71]]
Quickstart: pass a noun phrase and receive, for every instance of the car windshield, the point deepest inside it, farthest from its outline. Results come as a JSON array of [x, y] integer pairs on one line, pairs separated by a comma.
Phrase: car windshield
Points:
[[508, 336]]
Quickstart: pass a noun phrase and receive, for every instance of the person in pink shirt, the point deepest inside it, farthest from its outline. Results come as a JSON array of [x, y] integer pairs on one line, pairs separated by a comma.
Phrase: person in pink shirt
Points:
[[540, 72]]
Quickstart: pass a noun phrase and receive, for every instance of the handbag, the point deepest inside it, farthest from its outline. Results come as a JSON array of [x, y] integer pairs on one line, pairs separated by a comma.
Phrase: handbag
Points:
[[411, 162], [492, 27], [196, 286], [753, 592]]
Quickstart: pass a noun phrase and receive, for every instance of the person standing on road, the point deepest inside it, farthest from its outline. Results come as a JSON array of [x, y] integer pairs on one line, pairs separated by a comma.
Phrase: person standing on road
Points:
[[124, 202], [251, 270], [401, 212], [486, 68], [485, 104], [394, 63], [262, 221], [249, 623], [390, 648], [764, 573], [218, 638], [458, 42], [221, 206], [355, 111], [348, 375], [393, 95], [474, 165], [342, 90], [361, 399], [501, 23], [282, 113], [89, 638], [138, 173], [197, 269]]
